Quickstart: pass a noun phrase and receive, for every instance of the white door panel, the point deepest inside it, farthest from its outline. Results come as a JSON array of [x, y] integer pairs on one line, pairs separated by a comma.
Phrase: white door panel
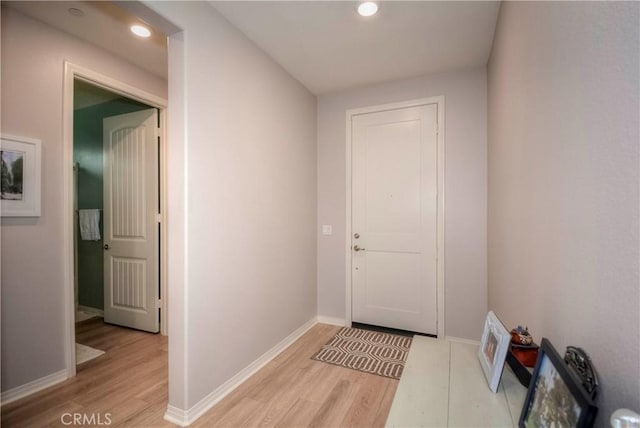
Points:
[[390, 277], [130, 220], [394, 191]]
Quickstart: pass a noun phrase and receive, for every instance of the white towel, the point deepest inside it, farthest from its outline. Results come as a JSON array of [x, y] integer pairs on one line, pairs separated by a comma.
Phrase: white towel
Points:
[[89, 224]]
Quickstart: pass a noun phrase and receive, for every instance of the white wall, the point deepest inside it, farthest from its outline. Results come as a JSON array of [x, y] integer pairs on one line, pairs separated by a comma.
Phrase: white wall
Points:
[[465, 192], [563, 183], [32, 253], [247, 172]]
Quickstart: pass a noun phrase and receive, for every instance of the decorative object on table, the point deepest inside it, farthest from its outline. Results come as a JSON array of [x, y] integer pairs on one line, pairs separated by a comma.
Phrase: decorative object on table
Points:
[[493, 350], [20, 169], [625, 418], [580, 362], [523, 353], [523, 347], [556, 396], [520, 336]]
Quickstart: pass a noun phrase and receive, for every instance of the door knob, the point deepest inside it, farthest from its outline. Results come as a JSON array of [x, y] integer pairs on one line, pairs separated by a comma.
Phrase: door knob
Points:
[[105, 246], [356, 248]]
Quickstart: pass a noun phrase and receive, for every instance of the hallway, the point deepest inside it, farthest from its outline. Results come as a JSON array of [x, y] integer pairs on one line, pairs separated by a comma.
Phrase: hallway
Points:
[[128, 386]]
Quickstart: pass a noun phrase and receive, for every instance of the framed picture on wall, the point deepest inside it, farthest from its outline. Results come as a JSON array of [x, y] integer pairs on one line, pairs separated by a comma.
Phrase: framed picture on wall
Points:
[[556, 396], [493, 350], [20, 166]]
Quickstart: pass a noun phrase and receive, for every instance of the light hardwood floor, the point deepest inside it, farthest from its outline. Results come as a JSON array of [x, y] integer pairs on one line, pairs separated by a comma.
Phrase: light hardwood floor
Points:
[[295, 391], [130, 382]]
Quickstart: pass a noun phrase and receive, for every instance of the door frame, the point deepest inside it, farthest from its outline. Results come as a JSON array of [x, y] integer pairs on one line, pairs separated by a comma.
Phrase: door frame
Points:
[[71, 73], [440, 211]]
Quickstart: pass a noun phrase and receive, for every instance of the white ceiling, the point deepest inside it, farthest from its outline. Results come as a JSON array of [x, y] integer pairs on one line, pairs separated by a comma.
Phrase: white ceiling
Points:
[[328, 47], [105, 25]]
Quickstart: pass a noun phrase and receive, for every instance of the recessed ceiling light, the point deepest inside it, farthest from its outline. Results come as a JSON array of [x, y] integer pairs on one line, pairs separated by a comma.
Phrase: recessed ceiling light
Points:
[[367, 8], [75, 12], [140, 31]]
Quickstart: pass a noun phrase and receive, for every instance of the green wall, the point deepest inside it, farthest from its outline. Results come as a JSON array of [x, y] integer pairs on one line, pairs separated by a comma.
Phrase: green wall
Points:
[[87, 152]]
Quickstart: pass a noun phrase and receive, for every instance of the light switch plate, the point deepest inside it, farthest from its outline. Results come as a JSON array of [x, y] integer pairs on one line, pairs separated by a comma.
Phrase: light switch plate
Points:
[[327, 229]]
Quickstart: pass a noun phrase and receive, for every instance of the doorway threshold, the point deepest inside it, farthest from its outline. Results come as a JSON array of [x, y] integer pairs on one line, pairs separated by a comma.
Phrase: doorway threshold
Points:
[[390, 330]]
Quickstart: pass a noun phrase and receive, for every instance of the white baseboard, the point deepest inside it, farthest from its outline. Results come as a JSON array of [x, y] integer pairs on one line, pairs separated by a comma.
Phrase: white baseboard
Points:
[[462, 340], [32, 387], [186, 417], [340, 322], [176, 416], [91, 310]]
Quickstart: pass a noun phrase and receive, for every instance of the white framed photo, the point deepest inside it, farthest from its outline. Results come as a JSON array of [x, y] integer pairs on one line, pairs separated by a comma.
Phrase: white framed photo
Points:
[[20, 163], [493, 350]]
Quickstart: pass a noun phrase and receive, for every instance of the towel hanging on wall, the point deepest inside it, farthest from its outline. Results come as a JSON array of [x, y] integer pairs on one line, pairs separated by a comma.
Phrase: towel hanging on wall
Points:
[[89, 224]]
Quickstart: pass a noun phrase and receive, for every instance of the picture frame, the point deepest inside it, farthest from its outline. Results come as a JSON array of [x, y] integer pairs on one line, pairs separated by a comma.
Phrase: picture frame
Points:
[[555, 396], [20, 168], [493, 350]]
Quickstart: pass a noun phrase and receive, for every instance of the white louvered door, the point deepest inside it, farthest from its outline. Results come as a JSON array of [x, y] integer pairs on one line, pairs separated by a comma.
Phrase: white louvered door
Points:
[[130, 220]]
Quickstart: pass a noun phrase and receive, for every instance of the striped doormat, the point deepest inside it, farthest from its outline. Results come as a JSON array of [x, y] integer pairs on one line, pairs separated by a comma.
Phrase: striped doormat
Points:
[[382, 354]]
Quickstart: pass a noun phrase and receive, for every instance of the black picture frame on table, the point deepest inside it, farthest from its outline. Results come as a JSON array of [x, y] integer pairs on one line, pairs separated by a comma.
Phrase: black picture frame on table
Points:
[[555, 396]]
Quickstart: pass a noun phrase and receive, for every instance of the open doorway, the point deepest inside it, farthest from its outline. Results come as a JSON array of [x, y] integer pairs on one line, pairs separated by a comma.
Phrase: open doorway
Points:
[[115, 168], [116, 211], [116, 208]]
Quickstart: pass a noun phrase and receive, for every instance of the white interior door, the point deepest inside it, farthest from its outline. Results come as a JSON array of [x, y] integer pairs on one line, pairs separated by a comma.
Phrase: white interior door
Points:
[[131, 258], [394, 223]]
